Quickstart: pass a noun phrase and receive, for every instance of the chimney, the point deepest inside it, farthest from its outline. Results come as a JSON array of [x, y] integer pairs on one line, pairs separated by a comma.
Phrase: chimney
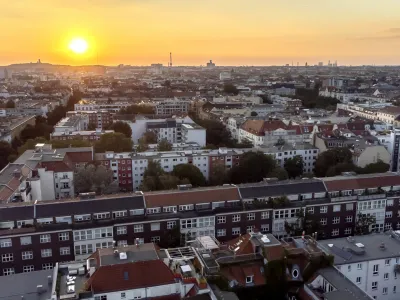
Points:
[[39, 289]]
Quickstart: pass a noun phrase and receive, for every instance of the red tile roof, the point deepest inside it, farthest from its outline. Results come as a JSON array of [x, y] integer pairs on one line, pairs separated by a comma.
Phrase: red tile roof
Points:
[[240, 271], [274, 252], [259, 127], [80, 157], [128, 276], [244, 244], [354, 183], [194, 196], [55, 166]]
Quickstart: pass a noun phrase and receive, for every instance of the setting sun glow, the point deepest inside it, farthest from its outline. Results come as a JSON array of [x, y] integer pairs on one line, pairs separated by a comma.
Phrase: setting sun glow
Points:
[[78, 46]]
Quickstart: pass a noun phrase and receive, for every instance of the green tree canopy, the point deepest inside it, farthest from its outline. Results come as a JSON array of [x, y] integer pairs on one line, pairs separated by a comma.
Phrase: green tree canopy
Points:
[[122, 127], [331, 158], [155, 178], [294, 166], [253, 167], [164, 145], [230, 89], [7, 154], [149, 137], [217, 134], [56, 115], [137, 109], [254, 114], [190, 172], [94, 178], [116, 142], [218, 175], [279, 173], [10, 104], [246, 143]]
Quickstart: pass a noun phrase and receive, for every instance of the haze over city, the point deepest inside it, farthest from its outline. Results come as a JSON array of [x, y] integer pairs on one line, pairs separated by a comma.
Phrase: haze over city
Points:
[[235, 32]]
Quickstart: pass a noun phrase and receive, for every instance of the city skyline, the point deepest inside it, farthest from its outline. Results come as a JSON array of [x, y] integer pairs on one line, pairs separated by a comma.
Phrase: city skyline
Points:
[[230, 33]]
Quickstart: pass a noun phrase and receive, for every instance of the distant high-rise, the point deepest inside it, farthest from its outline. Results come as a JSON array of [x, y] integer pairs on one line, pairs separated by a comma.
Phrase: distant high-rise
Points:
[[210, 64]]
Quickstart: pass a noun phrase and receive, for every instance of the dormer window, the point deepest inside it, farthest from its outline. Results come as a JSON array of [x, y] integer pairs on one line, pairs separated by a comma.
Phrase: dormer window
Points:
[[295, 273], [249, 279]]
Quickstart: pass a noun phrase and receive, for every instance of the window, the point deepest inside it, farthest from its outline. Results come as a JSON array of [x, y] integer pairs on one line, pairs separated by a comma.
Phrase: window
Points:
[[385, 291], [374, 285], [349, 268], [249, 279], [394, 290], [26, 240], [121, 230], [236, 231], [388, 214], [375, 270], [349, 206], [99, 216], [250, 228], [264, 228], [27, 255], [335, 232], [389, 203], [336, 208], [336, 220], [65, 251], [221, 232], [153, 210], [83, 249], [221, 219], [323, 221], [63, 236], [387, 262], [171, 224], [45, 238], [358, 280], [323, 209], [310, 210], [103, 232], [27, 269], [348, 231], [4, 243], [7, 257], [265, 215], [138, 228], [349, 219], [251, 216], [359, 266], [8, 271], [47, 266], [46, 252], [235, 218], [386, 276], [122, 243], [155, 226], [155, 239], [123, 295]]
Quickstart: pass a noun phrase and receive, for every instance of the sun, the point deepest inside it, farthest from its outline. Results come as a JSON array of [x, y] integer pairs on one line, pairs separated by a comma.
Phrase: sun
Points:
[[78, 45]]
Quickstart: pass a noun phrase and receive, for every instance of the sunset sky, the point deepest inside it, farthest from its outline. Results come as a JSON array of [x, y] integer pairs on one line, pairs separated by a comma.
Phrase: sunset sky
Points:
[[230, 32]]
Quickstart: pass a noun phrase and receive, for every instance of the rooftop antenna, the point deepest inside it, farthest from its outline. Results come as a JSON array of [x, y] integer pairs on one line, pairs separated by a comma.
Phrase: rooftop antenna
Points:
[[170, 59]]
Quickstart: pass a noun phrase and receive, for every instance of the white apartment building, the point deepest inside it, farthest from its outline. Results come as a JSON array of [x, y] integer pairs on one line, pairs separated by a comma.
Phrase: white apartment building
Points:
[[193, 133], [172, 106], [85, 105], [72, 123], [369, 261]]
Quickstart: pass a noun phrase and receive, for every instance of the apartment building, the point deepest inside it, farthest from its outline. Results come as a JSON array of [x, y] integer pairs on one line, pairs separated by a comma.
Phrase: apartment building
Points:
[[87, 105], [172, 106], [98, 118], [72, 123], [87, 135], [129, 168], [371, 262], [53, 231]]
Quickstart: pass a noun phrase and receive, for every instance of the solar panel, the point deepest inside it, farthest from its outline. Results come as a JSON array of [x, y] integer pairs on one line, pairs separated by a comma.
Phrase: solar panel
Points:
[[339, 252]]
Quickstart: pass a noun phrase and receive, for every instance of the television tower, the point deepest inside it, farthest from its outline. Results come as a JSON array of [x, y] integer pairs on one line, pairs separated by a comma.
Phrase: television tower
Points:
[[170, 59]]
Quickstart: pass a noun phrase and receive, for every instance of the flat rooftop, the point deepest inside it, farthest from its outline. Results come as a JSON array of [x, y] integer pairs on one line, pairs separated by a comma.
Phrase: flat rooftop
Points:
[[363, 248]]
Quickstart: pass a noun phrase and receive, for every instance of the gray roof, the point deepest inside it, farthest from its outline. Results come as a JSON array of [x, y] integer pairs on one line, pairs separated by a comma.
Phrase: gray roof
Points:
[[281, 188], [134, 253], [67, 207], [346, 290], [346, 252], [25, 284]]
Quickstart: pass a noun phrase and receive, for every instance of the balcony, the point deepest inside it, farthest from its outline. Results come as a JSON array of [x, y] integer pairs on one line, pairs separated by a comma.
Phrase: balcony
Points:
[[62, 180], [372, 197], [343, 198]]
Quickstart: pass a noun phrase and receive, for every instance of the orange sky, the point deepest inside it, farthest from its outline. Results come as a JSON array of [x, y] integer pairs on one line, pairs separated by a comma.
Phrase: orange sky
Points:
[[231, 32]]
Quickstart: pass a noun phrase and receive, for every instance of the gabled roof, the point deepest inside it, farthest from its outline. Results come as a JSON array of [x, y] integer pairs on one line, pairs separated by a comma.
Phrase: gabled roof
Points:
[[195, 196], [269, 190], [259, 127], [121, 277], [343, 183], [239, 273], [55, 166]]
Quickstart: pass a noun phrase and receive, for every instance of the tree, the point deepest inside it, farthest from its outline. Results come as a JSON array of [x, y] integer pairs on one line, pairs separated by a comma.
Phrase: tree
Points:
[[294, 166], [190, 172], [116, 142], [122, 127], [93, 178], [363, 223], [266, 99], [56, 115], [230, 89], [10, 104], [279, 173], [16, 143], [218, 175], [164, 145], [149, 137], [254, 114], [7, 154], [378, 167], [253, 167], [217, 134], [246, 143], [331, 158], [137, 109], [155, 178], [304, 222]]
